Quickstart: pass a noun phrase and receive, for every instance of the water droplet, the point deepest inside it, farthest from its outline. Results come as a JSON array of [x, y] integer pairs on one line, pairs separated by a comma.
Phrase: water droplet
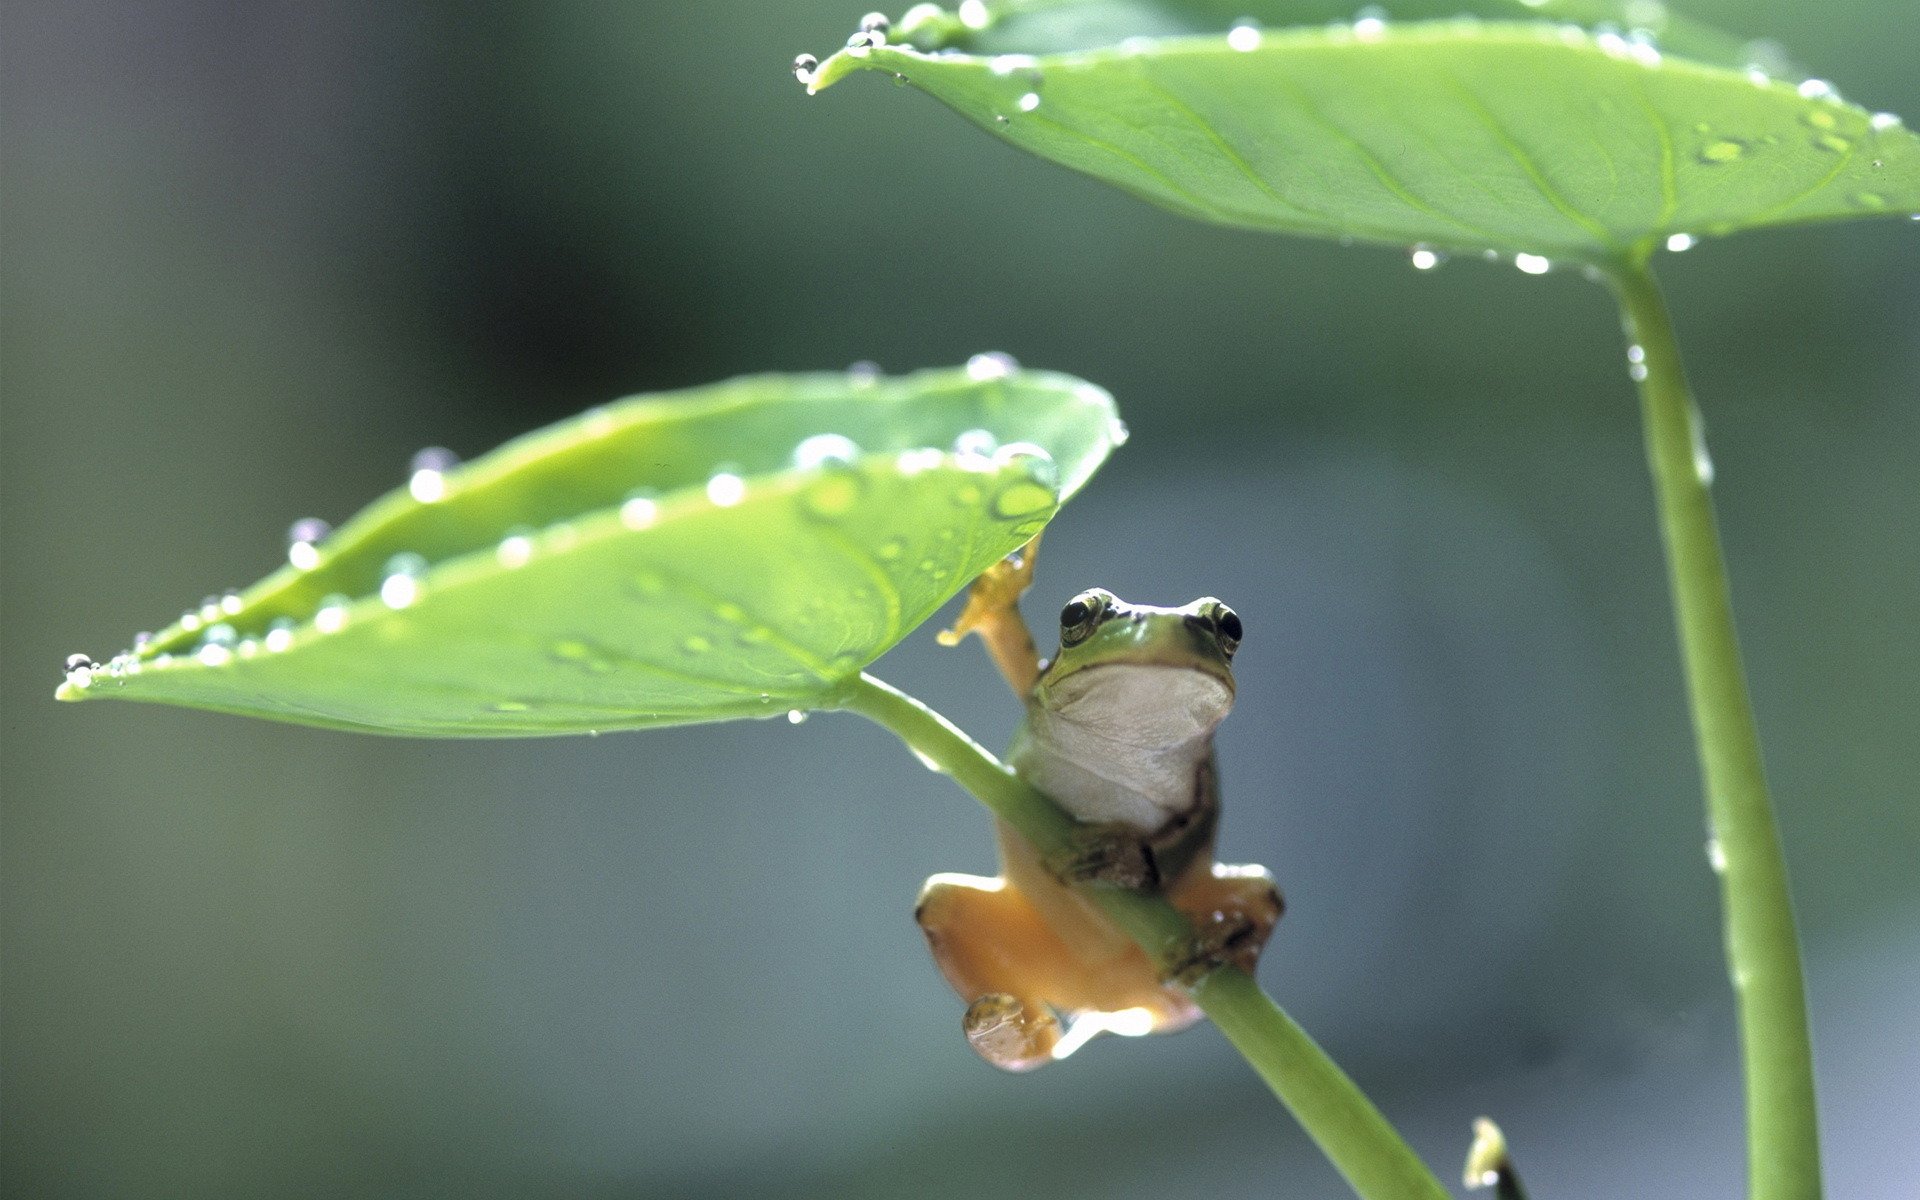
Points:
[[1533, 264], [835, 493], [1833, 142], [823, 449], [696, 645], [1370, 23], [1022, 498], [975, 448], [1637, 372], [1682, 241], [142, 640], [1244, 36], [428, 481], [222, 634], [1039, 465], [1029, 102], [214, 655], [1716, 856], [1872, 201], [1025, 65], [1702, 461], [1424, 258], [991, 365], [796, 716], [230, 603], [726, 488], [302, 542], [999, 119], [973, 14], [804, 65], [400, 580], [862, 44], [875, 21], [516, 549], [189, 622], [279, 634], [913, 462], [864, 373], [333, 613], [1722, 150], [1880, 122], [1817, 89], [639, 510]]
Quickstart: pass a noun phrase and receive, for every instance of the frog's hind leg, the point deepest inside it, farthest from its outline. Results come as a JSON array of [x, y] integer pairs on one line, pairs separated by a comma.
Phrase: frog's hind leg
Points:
[[993, 612], [992, 947], [1233, 910]]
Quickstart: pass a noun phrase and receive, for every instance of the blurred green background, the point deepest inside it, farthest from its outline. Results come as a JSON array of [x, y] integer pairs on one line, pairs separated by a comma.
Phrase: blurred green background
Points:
[[256, 255]]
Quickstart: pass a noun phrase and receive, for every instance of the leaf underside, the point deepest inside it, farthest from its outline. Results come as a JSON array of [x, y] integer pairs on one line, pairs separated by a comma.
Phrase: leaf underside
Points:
[[657, 561], [1522, 137]]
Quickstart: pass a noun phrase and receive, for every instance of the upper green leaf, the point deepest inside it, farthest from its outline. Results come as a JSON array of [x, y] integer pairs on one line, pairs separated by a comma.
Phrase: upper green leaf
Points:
[[738, 550], [1555, 140]]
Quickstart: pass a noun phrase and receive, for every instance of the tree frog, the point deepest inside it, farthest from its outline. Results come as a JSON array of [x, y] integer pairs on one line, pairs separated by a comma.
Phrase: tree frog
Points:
[[1119, 731]]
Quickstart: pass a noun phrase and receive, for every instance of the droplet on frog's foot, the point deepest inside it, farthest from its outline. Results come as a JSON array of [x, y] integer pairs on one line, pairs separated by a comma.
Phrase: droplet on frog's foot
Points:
[[1009, 1033]]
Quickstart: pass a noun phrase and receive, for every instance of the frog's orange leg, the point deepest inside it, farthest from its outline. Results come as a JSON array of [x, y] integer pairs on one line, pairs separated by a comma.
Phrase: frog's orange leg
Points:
[[1233, 910], [1016, 973], [993, 612]]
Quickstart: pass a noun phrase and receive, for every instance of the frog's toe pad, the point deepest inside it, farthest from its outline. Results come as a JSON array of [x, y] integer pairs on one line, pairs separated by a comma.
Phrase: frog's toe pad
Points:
[[1010, 1033]]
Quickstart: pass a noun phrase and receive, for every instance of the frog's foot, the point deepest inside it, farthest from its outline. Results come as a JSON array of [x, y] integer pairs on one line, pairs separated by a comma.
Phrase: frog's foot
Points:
[[993, 611], [1000, 957], [1112, 853], [1233, 910], [1013, 1034]]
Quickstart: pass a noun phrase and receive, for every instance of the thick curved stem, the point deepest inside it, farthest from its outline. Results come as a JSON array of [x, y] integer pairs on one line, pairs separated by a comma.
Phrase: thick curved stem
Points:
[[1763, 950], [1335, 1113]]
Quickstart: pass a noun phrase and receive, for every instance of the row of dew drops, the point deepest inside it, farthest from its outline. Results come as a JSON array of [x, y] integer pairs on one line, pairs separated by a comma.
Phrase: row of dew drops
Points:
[[1637, 42], [838, 488]]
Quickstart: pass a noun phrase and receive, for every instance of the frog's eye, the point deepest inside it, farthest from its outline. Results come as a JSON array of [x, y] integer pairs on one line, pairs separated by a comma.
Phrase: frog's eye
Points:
[[1227, 623], [1082, 616]]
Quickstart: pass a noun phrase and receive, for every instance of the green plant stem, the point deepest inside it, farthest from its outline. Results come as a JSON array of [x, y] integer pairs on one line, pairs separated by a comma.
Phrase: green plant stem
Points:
[[1335, 1113], [1763, 951]]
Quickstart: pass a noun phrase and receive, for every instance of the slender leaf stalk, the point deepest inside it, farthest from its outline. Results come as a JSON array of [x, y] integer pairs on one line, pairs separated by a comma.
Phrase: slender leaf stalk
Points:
[[1335, 1113], [1763, 951]]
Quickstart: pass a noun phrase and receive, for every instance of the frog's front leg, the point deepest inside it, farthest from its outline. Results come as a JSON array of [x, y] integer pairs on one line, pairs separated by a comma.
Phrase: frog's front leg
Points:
[[993, 612]]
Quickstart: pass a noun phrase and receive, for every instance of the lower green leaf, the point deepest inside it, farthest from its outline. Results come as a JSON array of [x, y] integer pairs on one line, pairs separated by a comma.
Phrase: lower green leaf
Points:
[[734, 551]]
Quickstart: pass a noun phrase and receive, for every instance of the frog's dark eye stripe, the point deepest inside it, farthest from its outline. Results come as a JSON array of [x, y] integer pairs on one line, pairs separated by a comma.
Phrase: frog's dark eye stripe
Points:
[[1082, 616]]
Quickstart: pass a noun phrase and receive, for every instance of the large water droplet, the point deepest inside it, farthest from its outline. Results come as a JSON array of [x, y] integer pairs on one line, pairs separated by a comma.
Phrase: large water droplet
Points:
[[1425, 258], [640, 510], [824, 448], [1370, 23], [1817, 89], [796, 716], [1721, 151], [222, 634], [973, 14], [1533, 264], [991, 365], [974, 449], [804, 65], [400, 580], [515, 549], [428, 480], [279, 634], [1244, 36], [1682, 241], [725, 487], [863, 373], [303, 539]]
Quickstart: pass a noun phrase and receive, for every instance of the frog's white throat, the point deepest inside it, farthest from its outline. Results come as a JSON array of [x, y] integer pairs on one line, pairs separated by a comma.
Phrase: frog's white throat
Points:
[[1123, 741]]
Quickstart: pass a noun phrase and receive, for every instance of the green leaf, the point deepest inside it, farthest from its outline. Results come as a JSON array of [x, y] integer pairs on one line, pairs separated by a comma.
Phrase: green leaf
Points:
[[732, 551], [1529, 137]]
